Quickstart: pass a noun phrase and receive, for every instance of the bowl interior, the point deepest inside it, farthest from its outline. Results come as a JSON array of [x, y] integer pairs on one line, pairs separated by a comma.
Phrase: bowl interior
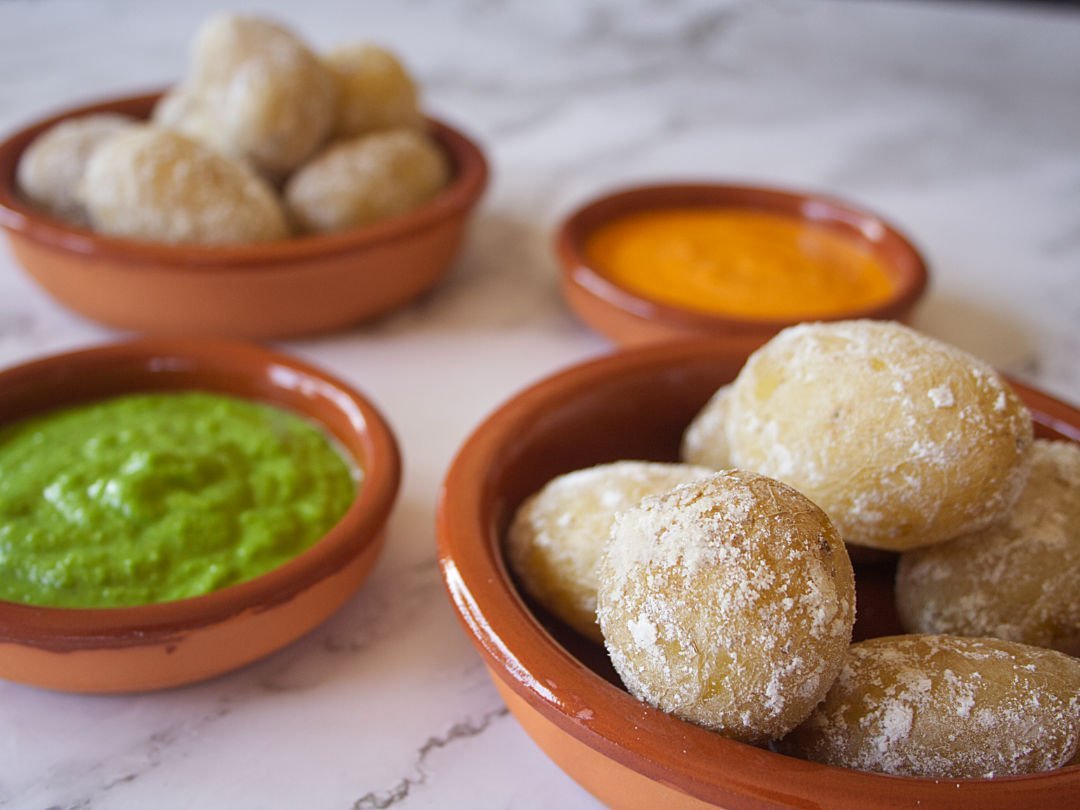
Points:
[[631, 405], [469, 177], [643, 415], [240, 370], [894, 251]]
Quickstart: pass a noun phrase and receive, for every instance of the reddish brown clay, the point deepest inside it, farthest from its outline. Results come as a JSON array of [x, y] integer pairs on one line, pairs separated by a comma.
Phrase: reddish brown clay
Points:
[[630, 319], [166, 644], [635, 404], [267, 290]]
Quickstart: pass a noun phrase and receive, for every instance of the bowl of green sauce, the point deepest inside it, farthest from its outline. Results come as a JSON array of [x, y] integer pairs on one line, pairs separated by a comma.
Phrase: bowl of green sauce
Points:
[[174, 509]]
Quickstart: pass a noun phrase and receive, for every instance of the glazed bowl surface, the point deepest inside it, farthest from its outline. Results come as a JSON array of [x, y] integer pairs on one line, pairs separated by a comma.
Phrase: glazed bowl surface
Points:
[[635, 404], [631, 318], [170, 643], [302, 285]]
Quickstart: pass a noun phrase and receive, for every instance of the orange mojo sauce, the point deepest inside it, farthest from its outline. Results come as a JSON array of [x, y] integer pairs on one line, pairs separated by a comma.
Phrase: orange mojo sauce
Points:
[[744, 263]]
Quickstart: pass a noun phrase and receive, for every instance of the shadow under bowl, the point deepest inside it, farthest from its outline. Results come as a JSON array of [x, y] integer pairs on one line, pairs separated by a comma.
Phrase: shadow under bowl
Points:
[[562, 689], [170, 643], [302, 285], [631, 318]]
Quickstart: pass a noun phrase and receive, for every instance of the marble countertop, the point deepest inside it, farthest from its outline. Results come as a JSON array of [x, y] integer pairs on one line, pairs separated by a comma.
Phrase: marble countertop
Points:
[[960, 122]]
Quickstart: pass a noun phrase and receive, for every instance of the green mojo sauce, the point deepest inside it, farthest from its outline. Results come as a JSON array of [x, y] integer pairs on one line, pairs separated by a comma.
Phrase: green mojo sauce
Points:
[[154, 497]]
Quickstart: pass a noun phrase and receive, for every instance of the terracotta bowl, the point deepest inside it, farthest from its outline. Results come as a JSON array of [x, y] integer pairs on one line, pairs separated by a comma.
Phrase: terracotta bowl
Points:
[[630, 318], [561, 687], [268, 290], [171, 643]]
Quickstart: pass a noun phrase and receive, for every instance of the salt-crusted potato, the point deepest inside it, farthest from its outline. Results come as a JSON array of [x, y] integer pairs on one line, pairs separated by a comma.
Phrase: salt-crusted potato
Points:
[[52, 167], [255, 93], [375, 91], [705, 440], [152, 184], [365, 179], [557, 534], [728, 602], [946, 707], [903, 440], [1018, 579], [180, 110]]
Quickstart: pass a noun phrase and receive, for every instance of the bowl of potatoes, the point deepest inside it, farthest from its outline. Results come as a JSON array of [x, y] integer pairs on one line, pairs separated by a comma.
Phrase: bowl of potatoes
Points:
[[272, 192], [650, 550]]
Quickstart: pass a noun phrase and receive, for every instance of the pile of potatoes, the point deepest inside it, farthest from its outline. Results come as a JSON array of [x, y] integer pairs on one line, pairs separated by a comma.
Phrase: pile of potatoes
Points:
[[724, 594], [262, 140]]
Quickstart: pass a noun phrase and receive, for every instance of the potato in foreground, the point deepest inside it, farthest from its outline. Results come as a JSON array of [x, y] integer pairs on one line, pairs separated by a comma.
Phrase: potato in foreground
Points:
[[946, 707], [255, 93], [362, 180], [152, 184], [1018, 579], [52, 167], [728, 602], [558, 534], [903, 440]]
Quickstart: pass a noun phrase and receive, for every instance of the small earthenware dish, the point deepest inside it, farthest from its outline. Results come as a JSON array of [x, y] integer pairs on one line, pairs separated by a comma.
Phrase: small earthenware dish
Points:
[[563, 690], [629, 317], [275, 289], [170, 643]]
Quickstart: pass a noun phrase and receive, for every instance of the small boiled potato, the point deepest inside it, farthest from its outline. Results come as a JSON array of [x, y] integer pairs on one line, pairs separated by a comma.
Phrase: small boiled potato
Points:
[[1018, 579], [255, 93], [946, 707], [705, 440], [52, 167], [728, 602], [179, 109], [558, 533], [375, 91], [903, 440], [152, 184], [366, 179]]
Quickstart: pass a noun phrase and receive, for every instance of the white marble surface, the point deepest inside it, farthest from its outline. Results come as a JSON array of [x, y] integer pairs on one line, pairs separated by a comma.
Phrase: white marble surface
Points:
[[961, 122]]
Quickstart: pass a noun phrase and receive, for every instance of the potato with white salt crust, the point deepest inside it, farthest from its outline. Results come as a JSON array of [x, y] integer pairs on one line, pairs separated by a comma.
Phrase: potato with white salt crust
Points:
[[705, 440], [946, 707], [729, 602], [1018, 579], [52, 167], [375, 91], [903, 440], [558, 534], [255, 93], [363, 180], [152, 184]]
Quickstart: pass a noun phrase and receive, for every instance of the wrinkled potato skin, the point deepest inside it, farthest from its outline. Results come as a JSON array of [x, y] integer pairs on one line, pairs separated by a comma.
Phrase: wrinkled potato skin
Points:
[[558, 534], [903, 441], [946, 707]]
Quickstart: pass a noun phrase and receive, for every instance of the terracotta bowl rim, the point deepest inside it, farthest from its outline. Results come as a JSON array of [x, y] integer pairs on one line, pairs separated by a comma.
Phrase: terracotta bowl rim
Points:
[[574, 229], [358, 529], [525, 656], [471, 173]]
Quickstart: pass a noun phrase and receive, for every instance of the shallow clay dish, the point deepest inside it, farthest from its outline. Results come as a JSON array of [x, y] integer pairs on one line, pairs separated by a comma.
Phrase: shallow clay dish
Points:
[[630, 318], [170, 643], [272, 289], [561, 687]]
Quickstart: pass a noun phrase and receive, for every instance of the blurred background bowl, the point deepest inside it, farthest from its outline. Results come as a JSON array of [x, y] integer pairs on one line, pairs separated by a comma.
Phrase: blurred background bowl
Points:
[[630, 318], [562, 688], [305, 284], [171, 643]]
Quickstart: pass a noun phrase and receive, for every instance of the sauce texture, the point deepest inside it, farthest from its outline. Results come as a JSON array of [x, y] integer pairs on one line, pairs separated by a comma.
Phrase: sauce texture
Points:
[[738, 263], [155, 497]]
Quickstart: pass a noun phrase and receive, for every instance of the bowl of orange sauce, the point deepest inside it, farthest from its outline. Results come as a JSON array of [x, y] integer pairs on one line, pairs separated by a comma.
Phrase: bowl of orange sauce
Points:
[[668, 261]]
